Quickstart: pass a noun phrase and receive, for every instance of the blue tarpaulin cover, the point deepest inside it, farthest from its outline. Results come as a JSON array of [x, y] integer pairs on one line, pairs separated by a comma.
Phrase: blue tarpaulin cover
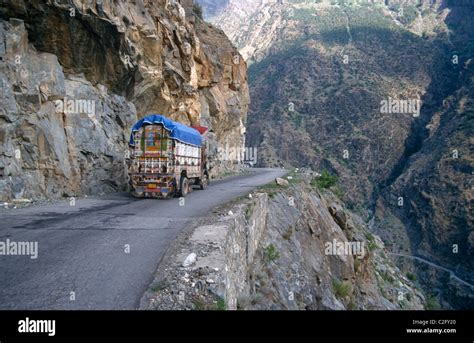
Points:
[[178, 131]]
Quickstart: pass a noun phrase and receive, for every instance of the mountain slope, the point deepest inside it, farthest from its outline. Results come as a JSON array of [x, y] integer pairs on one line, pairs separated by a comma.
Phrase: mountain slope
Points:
[[319, 76]]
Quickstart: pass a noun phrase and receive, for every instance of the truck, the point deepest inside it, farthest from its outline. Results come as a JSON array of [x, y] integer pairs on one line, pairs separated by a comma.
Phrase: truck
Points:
[[167, 159]]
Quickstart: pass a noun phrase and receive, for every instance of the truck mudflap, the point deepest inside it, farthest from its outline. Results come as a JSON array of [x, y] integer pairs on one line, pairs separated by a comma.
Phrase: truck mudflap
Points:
[[159, 193], [160, 188]]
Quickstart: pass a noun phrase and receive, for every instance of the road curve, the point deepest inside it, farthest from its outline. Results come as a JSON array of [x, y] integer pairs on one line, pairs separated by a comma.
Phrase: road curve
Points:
[[436, 266], [82, 259]]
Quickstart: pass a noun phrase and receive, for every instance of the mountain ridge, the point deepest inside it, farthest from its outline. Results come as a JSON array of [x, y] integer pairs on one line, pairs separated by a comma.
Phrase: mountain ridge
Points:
[[318, 79]]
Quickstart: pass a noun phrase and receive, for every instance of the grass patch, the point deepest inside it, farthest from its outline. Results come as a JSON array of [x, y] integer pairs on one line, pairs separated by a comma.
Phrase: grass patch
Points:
[[411, 276], [293, 177], [325, 181], [271, 189], [159, 287], [337, 191], [271, 253], [201, 305], [342, 289], [387, 277], [221, 305], [402, 304], [372, 244], [432, 303]]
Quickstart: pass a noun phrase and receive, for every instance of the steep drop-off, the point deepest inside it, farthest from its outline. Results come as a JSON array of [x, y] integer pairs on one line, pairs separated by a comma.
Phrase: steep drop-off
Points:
[[319, 74], [270, 252]]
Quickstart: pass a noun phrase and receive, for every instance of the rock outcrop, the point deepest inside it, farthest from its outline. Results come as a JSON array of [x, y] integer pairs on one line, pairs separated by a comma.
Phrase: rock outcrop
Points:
[[281, 250], [76, 75], [60, 135]]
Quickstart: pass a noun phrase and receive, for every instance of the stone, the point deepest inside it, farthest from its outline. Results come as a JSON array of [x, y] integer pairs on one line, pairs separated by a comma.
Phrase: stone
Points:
[[282, 182], [190, 260], [339, 215]]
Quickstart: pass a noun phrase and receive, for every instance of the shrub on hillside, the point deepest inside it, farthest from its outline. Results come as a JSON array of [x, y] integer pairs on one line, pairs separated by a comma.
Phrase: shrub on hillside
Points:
[[325, 181]]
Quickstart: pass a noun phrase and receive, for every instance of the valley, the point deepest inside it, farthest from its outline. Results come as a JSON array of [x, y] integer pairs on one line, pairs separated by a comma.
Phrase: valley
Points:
[[318, 74]]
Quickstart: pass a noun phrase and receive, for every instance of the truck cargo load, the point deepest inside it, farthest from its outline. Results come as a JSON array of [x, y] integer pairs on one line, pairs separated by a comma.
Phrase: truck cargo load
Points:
[[167, 158]]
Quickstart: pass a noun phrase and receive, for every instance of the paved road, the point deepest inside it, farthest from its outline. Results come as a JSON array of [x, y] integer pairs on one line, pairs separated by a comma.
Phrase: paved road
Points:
[[81, 248], [437, 266]]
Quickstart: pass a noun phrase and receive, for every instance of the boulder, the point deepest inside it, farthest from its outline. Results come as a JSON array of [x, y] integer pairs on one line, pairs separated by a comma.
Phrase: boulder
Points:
[[190, 260], [282, 182]]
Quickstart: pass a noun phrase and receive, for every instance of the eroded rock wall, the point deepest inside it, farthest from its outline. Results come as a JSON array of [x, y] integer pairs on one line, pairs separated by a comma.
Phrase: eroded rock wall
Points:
[[49, 151], [270, 251], [125, 60]]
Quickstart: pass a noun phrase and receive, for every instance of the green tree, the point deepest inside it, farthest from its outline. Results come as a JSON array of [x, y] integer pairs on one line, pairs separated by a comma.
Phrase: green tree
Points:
[[325, 181]]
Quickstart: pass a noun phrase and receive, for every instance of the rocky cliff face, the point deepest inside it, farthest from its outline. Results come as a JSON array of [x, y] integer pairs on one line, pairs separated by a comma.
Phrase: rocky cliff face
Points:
[[281, 250], [76, 75], [320, 73], [302, 265], [74, 148]]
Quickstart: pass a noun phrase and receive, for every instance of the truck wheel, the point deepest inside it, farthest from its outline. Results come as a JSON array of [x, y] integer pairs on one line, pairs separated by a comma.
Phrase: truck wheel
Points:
[[204, 182], [183, 186]]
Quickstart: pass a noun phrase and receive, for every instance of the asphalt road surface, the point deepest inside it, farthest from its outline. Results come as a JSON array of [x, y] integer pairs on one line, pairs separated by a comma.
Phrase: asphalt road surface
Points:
[[83, 259]]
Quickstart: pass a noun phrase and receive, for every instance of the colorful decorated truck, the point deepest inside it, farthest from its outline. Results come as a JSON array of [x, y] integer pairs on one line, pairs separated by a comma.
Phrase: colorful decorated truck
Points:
[[167, 158]]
